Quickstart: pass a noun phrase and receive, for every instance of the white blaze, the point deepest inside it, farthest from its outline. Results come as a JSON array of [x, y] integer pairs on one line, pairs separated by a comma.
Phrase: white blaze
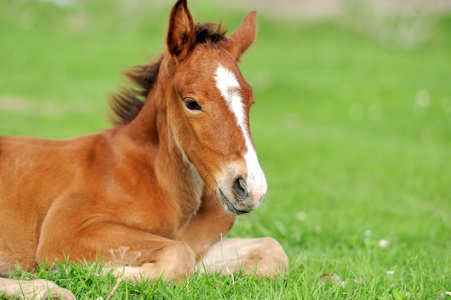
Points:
[[229, 87]]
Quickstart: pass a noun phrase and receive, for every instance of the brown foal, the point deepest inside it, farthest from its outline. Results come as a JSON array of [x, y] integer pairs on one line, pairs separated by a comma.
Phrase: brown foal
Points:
[[155, 194]]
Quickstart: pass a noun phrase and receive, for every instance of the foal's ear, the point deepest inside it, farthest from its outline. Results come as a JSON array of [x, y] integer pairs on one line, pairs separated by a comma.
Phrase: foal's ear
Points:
[[181, 30], [243, 36]]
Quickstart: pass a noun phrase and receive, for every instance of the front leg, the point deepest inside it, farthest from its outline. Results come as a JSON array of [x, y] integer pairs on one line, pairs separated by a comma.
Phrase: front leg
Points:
[[261, 256], [208, 225], [213, 254], [132, 252]]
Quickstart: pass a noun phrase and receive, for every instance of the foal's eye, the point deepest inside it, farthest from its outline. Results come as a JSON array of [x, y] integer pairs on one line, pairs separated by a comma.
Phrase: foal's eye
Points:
[[191, 104]]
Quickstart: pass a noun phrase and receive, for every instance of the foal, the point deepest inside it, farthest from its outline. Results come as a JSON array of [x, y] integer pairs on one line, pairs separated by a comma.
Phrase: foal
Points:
[[155, 194]]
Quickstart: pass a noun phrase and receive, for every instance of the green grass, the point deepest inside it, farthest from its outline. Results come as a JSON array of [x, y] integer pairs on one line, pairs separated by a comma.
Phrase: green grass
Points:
[[354, 134]]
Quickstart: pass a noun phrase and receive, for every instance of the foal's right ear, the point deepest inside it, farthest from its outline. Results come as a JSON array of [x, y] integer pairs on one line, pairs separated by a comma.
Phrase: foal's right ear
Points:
[[181, 30]]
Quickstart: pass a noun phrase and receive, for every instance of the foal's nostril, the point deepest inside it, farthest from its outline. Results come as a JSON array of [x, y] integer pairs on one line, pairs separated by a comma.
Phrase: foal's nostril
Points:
[[239, 188]]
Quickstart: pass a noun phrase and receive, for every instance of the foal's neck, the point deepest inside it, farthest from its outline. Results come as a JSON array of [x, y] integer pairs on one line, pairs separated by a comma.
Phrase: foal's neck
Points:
[[178, 178]]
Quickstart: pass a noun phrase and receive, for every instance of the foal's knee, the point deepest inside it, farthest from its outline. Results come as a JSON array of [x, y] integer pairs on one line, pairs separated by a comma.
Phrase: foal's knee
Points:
[[173, 261], [178, 261]]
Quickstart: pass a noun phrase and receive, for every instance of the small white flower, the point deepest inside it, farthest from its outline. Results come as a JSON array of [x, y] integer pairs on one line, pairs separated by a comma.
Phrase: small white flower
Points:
[[302, 215], [383, 243], [335, 277], [448, 293], [368, 233], [99, 298], [390, 272]]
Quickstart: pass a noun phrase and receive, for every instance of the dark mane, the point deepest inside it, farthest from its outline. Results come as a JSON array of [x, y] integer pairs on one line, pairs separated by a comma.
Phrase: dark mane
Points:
[[128, 102]]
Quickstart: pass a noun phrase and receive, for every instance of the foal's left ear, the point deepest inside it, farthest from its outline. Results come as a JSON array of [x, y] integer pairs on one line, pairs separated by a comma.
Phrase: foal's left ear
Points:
[[241, 39], [181, 30]]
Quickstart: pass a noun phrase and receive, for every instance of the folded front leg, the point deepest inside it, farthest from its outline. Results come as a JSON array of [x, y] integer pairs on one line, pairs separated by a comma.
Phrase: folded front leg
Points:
[[144, 255], [261, 256]]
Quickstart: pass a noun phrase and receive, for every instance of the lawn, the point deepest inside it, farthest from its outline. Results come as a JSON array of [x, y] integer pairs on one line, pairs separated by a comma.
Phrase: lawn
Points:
[[352, 126]]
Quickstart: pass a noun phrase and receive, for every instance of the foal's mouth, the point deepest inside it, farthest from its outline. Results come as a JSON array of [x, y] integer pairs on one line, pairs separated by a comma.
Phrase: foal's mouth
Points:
[[230, 206]]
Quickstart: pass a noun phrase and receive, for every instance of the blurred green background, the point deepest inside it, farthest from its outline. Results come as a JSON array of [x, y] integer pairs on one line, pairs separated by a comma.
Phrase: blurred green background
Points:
[[352, 123]]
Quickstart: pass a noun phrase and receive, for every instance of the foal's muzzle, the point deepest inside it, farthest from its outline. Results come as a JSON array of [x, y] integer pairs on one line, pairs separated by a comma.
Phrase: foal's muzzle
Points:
[[238, 198]]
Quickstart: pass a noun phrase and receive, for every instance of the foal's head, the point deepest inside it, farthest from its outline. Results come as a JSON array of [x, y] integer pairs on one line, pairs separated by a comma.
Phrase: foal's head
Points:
[[208, 103]]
